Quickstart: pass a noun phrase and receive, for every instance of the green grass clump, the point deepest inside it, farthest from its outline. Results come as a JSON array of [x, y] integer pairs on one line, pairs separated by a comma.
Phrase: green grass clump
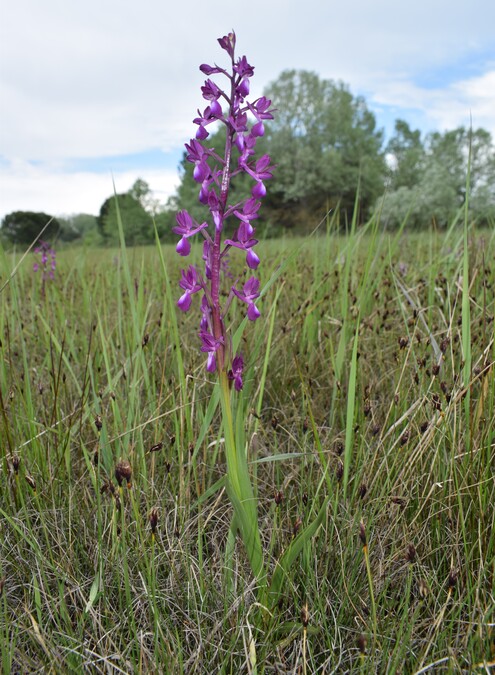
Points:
[[371, 418]]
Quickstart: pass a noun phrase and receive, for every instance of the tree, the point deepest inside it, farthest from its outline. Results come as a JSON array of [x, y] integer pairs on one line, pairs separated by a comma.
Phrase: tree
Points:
[[406, 155], [76, 226], [23, 227], [137, 224], [142, 192], [324, 143], [439, 190]]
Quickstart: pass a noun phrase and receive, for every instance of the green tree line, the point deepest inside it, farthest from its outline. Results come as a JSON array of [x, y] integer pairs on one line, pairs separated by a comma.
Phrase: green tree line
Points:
[[326, 146]]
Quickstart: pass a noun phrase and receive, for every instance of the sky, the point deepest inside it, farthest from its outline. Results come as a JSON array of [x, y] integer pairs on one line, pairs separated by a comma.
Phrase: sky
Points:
[[104, 91]]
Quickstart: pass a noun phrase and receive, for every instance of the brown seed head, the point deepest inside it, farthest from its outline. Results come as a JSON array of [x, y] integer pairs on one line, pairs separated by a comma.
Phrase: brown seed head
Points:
[[31, 482], [98, 422], [339, 471], [423, 589], [305, 616], [363, 489], [297, 525], [362, 533], [158, 446], [16, 462], [435, 401], [411, 553], [423, 427], [453, 578], [361, 643], [278, 496], [153, 520], [444, 344], [123, 471]]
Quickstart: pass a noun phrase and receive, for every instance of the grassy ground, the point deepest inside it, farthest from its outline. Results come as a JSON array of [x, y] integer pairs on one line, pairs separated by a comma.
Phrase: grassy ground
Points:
[[370, 380]]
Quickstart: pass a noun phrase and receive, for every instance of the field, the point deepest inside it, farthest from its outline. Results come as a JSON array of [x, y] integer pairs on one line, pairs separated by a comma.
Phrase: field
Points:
[[370, 390]]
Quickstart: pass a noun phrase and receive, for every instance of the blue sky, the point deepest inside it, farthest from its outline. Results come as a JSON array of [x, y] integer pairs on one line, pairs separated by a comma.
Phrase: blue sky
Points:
[[109, 87]]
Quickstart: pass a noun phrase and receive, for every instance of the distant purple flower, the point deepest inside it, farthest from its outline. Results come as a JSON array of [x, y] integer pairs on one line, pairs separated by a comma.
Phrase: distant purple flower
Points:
[[213, 171], [47, 262]]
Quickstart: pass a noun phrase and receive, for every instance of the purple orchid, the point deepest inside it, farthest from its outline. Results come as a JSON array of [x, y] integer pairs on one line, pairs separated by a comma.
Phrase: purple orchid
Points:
[[190, 284], [186, 227], [248, 295], [244, 123], [245, 242], [46, 262], [235, 373], [211, 345]]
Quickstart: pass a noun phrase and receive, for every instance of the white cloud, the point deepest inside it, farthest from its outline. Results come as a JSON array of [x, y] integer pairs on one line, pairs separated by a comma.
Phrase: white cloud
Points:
[[46, 188], [118, 77], [448, 107]]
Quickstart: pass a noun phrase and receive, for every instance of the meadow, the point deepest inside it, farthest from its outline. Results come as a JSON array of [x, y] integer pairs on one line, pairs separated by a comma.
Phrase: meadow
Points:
[[369, 388]]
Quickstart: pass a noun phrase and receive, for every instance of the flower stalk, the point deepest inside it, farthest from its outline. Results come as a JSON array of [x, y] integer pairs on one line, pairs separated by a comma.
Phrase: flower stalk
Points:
[[243, 122]]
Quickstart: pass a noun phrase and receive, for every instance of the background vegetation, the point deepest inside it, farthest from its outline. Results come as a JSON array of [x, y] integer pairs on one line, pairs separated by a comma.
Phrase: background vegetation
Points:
[[369, 387], [326, 145], [379, 392]]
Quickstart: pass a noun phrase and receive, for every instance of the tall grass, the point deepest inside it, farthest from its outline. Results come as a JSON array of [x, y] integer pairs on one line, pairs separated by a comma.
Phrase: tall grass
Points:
[[360, 406]]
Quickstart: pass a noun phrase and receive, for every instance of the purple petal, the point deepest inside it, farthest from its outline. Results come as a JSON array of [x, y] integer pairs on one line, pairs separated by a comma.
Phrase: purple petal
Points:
[[258, 129], [184, 302], [259, 190], [243, 88], [208, 70], [227, 42], [201, 171], [201, 133], [211, 362], [216, 109], [252, 259], [252, 287], [183, 247], [253, 312]]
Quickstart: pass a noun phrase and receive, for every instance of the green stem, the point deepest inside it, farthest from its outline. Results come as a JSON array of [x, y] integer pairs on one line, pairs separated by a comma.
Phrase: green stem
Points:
[[239, 486]]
